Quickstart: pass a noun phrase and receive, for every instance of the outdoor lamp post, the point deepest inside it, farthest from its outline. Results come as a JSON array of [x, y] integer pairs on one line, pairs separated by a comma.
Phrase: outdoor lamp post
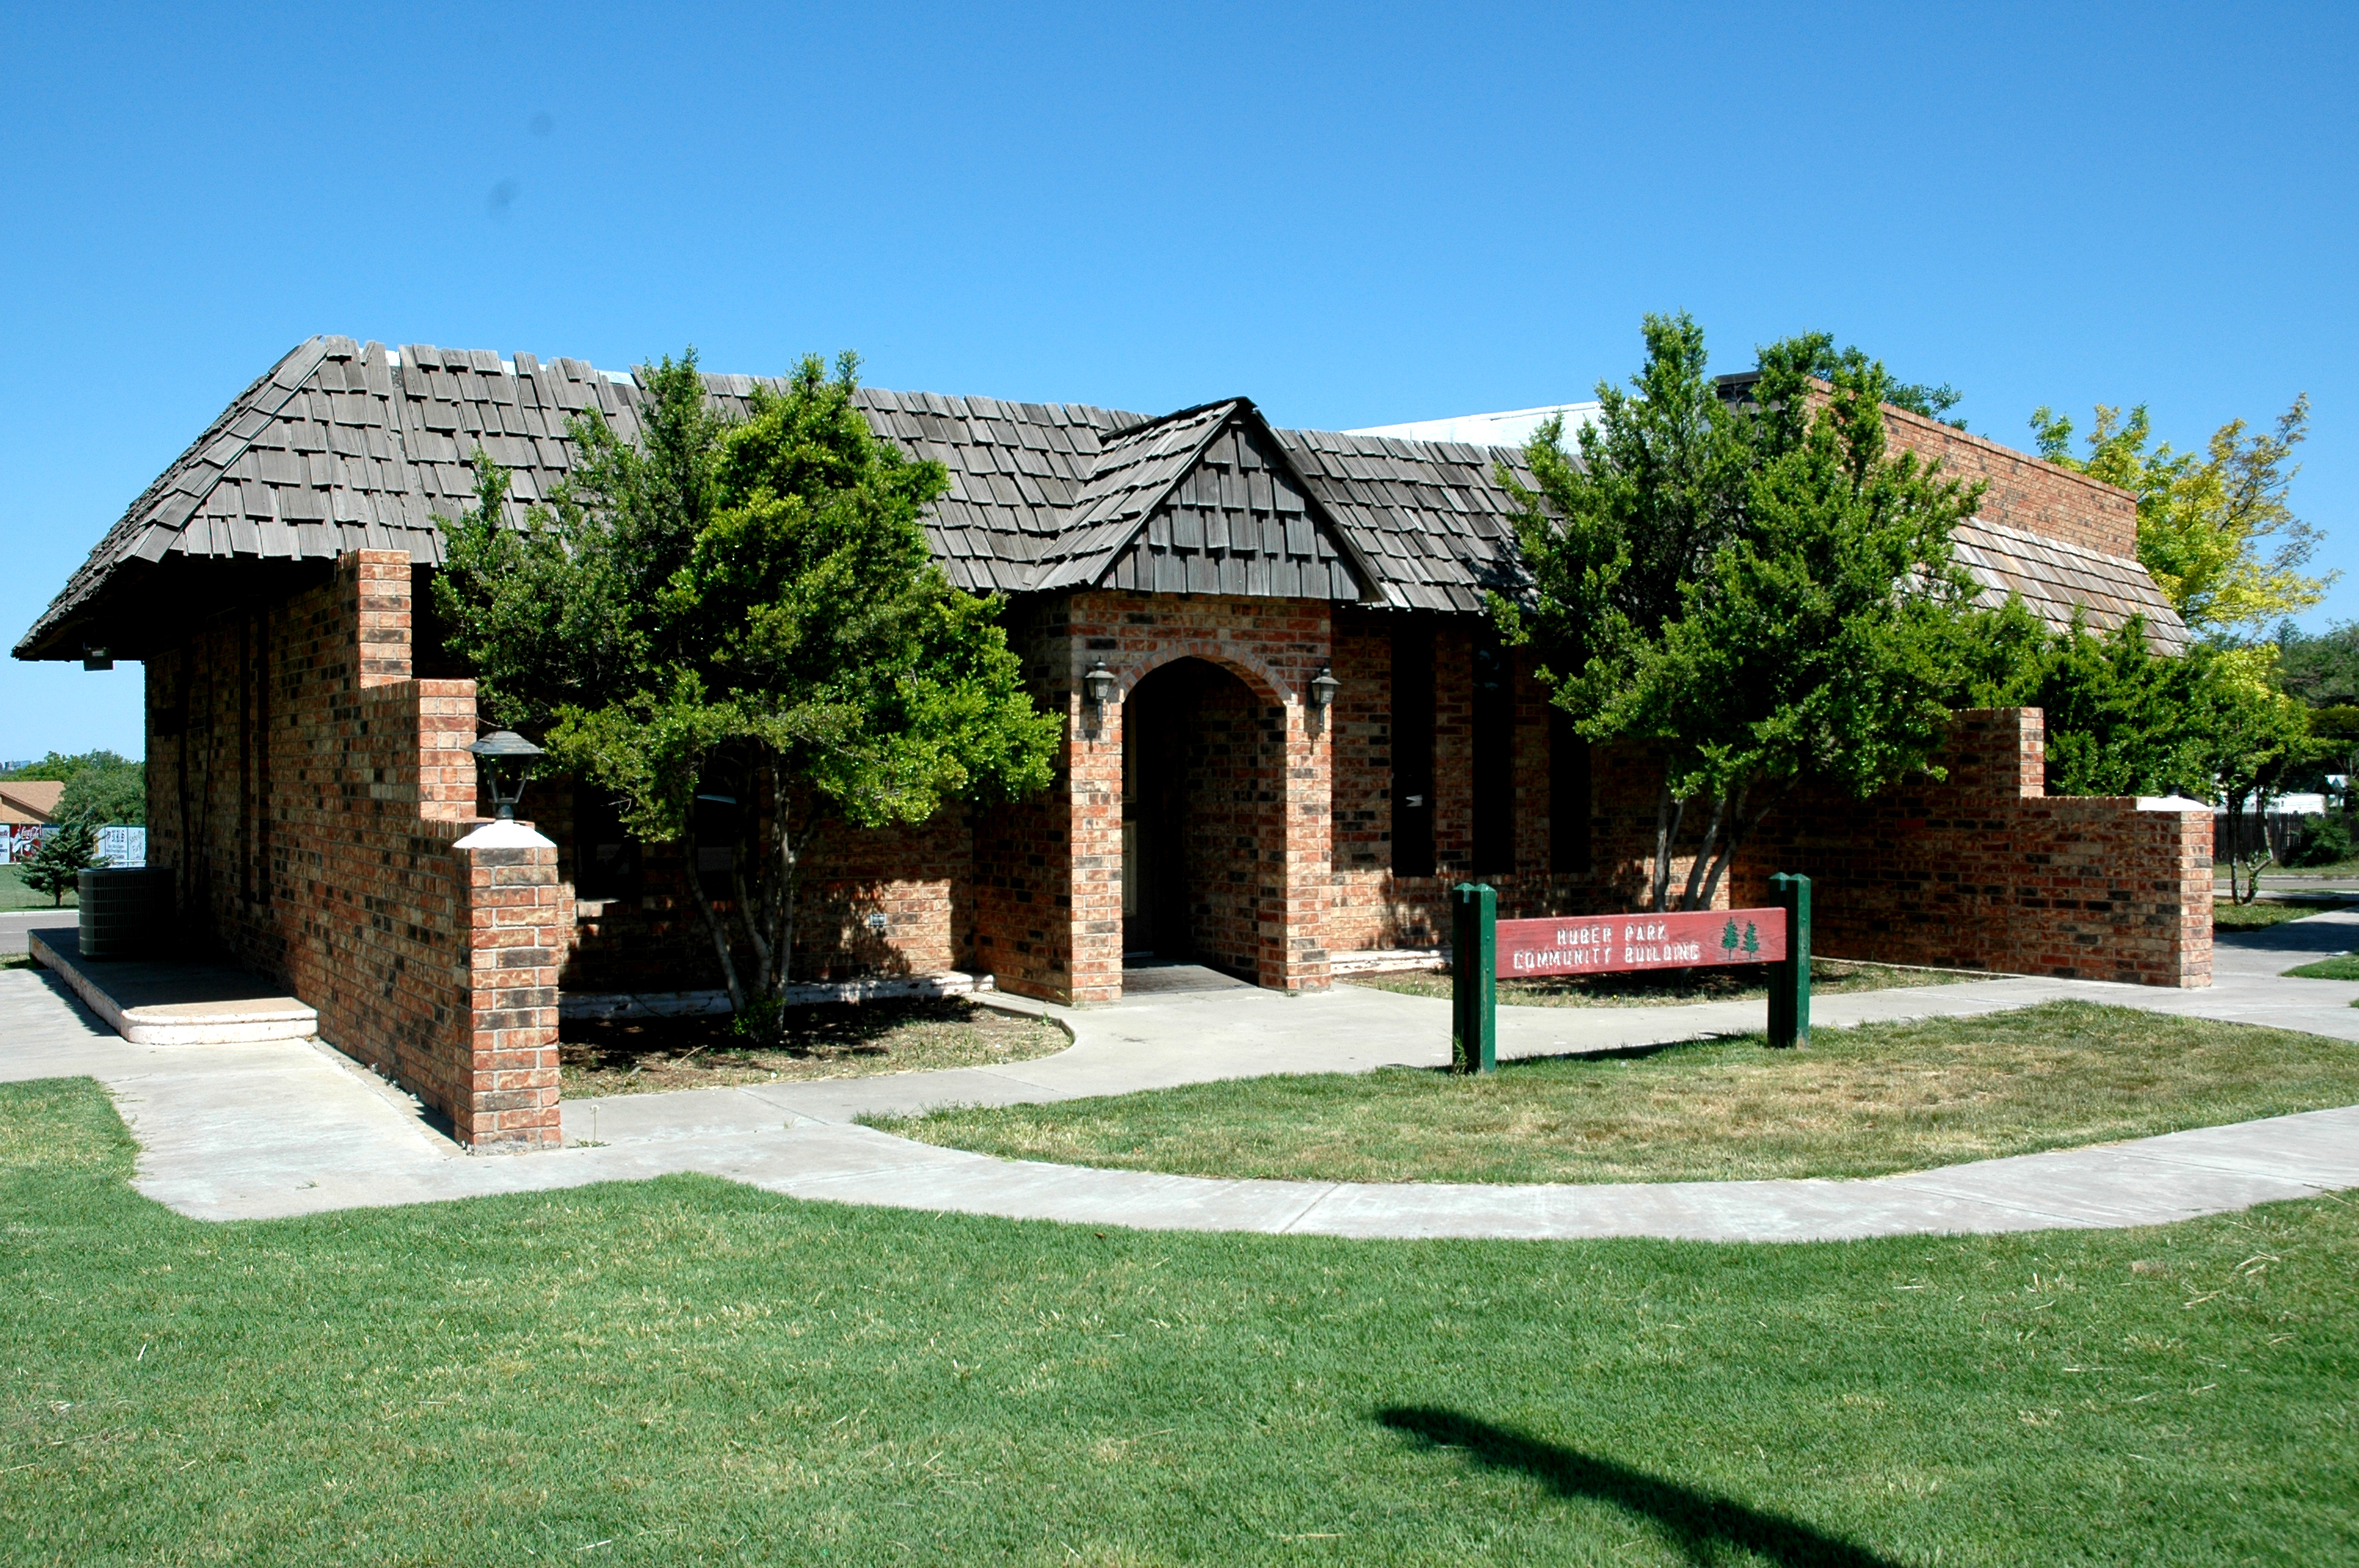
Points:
[[1099, 686], [1323, 687], [508, 758]]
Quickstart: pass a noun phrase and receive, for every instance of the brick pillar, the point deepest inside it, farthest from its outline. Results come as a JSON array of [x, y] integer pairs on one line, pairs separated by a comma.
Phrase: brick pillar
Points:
[[2184, 855], [1092, 804], [1293, 912], [381, 581], [514, 929]]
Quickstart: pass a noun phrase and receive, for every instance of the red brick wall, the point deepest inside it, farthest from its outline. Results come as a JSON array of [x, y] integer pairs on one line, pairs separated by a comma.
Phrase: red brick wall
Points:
[[1023, 898], [918, 879], [310, 794], [1370, 906], [1984, 869], [2025, 493]]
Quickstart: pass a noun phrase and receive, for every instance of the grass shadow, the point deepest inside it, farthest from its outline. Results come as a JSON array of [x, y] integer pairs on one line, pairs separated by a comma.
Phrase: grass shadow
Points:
[[1700, 1523]]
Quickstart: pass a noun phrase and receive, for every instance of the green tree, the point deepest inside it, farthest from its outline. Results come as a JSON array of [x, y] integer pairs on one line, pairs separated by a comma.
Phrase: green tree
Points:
[[2119, 718], [1760, 594], [2214, 529], [2211, 723], [67, 850], [2322, 668], [2252, 737], [749, 608], [1916, 396]]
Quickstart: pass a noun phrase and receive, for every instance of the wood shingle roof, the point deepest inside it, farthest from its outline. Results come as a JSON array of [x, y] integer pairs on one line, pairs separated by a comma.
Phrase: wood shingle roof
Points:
[[344, 446]]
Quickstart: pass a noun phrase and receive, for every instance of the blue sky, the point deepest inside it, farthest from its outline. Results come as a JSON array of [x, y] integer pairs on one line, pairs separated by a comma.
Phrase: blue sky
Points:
[[1354, 215]]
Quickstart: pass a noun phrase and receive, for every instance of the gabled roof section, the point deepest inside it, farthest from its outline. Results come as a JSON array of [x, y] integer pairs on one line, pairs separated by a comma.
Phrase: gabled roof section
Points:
[[1132, 476], [2055, 577], [1206, 501]]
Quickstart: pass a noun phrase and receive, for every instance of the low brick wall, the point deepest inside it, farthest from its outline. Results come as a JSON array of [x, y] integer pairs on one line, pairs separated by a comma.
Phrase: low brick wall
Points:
[[312, 796], [1985, 871]]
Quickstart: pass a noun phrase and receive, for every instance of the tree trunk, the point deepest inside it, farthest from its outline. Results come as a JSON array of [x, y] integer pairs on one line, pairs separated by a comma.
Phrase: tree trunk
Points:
[[713, 921], [1668, 813], [1740, 828], [1703, 852]]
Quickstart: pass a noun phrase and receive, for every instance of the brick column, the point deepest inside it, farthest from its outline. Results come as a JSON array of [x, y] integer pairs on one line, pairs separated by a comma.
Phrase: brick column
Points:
[[514, 931], [1294, 915], [1093, 805]]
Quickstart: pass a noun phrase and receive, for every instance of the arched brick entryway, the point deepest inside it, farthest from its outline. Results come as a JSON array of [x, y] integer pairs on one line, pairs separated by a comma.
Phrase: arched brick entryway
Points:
[[1203, 817]]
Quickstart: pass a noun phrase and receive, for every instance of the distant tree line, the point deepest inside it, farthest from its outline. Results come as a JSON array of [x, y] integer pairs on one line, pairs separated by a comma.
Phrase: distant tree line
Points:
[[103, 789]]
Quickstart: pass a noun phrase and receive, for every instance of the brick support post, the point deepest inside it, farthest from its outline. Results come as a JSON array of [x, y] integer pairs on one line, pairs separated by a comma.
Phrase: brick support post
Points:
[[515, 933]]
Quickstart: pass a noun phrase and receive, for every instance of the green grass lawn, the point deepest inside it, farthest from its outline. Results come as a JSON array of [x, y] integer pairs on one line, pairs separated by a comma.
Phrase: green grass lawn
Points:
[[1664, 988], [2344, 968], [14, 894], [1858, 1102], [2262, 914], [689, 1372]]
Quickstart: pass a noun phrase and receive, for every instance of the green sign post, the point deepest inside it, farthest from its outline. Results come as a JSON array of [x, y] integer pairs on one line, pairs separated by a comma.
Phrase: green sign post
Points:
[[1775, 937], [1789, 977], [1475, 990]]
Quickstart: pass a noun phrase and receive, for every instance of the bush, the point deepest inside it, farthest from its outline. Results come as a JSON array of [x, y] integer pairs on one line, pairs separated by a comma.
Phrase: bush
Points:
[[2324, 841]]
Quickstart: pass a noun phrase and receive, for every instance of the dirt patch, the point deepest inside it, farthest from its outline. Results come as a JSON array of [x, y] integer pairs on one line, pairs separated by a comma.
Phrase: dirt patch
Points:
[[838, 1040]]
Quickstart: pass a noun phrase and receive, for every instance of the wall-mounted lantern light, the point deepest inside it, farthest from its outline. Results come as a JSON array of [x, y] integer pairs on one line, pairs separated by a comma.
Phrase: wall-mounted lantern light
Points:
[[1099, 686], [508, 758], [1323, 687], [97, 659]]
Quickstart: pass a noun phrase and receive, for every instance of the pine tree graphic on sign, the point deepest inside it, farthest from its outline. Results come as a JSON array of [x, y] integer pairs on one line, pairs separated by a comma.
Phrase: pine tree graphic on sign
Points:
[[1728, 937], [1752, 937]]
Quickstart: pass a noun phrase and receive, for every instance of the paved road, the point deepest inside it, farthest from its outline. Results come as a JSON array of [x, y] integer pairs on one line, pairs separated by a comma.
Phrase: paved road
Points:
[[259, 1131], [14, 924]]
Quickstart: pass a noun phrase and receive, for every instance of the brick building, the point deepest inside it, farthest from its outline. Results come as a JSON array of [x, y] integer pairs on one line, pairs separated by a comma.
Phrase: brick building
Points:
[[1308, 730]]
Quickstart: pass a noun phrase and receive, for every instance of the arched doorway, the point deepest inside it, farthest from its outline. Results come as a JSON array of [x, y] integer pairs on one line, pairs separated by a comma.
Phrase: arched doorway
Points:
[[1202, 771]]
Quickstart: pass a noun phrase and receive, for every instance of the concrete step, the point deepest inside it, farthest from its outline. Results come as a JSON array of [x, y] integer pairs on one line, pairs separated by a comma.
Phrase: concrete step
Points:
[[159, 1003]]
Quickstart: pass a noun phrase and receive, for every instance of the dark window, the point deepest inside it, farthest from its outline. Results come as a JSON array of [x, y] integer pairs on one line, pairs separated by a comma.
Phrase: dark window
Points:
[[1413, 748], [1568, 808], [1495, 755], [606, 861], [717, 843]]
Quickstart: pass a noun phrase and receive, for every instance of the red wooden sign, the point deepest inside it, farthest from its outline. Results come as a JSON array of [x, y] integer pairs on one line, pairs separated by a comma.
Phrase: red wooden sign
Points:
[[1604, 944]]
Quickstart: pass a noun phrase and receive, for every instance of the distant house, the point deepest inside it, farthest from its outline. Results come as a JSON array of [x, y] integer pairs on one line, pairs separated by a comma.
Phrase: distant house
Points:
[[1289, 725], [29, 802]]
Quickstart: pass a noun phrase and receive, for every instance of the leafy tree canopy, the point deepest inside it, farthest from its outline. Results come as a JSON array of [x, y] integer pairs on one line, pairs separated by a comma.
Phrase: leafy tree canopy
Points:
[[1916, 396], [2321, 669], [2214, 527], [747, 609], [1761, 592]]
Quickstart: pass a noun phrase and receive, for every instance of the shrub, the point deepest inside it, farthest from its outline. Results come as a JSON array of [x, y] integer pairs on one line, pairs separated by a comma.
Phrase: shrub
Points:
[[2324, 841]]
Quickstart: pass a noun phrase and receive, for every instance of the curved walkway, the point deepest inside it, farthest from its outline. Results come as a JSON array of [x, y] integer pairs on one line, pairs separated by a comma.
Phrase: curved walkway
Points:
[[254, 1131]]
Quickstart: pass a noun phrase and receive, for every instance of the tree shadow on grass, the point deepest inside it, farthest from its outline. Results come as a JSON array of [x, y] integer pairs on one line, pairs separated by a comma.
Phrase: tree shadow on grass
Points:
[[1699, 1524]]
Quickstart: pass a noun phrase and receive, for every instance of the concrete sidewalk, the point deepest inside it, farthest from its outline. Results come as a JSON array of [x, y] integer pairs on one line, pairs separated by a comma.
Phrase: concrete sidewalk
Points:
[[286, 1127]]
